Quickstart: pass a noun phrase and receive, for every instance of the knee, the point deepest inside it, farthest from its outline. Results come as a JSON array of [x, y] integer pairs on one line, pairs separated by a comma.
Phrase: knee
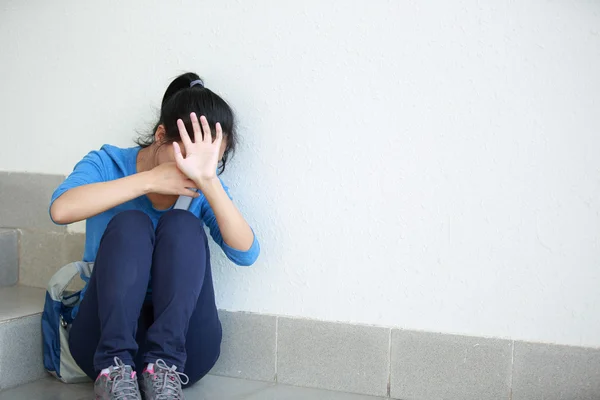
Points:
[[180, 222], [130, 224], [130, 220]]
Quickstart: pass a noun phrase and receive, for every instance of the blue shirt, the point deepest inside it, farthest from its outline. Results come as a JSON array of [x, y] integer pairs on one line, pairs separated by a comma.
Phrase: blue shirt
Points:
[[110, 163]]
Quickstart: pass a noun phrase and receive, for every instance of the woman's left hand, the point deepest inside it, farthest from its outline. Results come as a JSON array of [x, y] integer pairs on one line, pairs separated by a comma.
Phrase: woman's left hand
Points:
[[202, 156]]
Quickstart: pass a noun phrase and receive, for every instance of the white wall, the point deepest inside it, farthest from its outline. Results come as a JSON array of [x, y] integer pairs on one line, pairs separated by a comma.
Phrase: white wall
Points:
[[425, 165]]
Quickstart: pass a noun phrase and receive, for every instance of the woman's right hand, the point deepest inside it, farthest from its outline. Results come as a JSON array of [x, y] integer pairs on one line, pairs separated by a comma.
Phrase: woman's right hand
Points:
[[85, 201], [166, 178]]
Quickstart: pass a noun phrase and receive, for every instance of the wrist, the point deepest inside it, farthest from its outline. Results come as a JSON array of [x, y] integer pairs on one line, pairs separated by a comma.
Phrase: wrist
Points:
[[206, 185], [147, 181]]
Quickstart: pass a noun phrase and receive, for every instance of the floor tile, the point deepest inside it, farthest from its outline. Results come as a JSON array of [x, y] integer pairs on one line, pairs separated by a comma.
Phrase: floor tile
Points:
[[210, 388], [222, 388], [49, 389], [282, 392]]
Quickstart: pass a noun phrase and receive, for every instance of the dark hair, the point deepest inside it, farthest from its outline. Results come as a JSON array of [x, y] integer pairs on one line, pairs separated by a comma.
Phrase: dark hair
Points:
[[180, 100]]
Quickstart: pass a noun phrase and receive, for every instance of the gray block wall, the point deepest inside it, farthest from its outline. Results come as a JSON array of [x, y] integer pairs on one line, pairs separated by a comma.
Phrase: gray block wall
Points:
[[32, 248], [24, 200], [9, 257]]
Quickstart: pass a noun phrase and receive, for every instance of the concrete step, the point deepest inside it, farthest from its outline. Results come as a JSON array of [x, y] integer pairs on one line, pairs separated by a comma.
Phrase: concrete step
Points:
[[9, 257], [209, 388], [20, 335]]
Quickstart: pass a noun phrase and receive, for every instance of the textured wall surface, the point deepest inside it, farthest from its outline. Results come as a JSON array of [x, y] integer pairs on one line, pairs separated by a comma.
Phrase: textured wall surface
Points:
[[428, 165]]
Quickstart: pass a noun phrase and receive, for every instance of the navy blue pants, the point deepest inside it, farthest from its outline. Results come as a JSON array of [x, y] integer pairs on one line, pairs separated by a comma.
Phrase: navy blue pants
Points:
[[178, 323]]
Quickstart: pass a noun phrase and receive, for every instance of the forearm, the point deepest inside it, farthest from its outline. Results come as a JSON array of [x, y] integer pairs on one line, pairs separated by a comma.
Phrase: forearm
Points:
[[235, 231], [86, 201]]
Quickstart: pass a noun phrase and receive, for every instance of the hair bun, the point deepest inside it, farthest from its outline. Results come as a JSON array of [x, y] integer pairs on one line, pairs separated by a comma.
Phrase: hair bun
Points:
[[182, 82]]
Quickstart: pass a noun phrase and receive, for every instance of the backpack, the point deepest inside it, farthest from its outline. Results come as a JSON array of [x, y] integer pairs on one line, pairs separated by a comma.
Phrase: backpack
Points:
[[60, 308]]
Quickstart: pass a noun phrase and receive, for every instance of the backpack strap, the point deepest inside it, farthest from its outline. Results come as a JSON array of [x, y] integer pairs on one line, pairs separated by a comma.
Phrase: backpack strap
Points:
[[61, 280], [85, 269], [183, 203]]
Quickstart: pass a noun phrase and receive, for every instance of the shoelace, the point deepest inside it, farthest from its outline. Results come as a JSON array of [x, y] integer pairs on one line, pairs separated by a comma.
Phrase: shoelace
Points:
[[169, 386], [123, 386]]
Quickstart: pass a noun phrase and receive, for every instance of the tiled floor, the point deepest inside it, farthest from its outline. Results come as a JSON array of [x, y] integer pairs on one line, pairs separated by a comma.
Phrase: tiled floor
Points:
[[210, 388]]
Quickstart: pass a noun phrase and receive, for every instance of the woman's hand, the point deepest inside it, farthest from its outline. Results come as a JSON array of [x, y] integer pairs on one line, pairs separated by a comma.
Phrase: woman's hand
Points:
[[166, 178], [86, 201], [202, 156]]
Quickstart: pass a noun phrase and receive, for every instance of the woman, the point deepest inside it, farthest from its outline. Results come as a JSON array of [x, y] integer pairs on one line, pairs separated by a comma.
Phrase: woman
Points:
[[149, 307]]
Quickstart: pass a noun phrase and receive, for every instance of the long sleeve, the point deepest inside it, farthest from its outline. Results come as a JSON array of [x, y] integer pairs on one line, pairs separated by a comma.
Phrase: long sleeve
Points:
[[88, 170], [239, 257]]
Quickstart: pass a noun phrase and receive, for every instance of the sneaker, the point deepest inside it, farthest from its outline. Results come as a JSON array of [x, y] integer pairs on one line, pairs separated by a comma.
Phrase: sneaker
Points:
[[163, 383], [119, 384]]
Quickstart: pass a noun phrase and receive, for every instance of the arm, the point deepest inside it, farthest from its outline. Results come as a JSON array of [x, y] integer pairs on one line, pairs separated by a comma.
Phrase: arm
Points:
[[234, 229], [86, 201], [88, 195], [228, 227]]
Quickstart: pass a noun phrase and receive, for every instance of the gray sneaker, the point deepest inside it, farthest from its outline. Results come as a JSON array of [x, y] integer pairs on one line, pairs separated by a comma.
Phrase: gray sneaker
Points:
[[163, 383], [119, 384]]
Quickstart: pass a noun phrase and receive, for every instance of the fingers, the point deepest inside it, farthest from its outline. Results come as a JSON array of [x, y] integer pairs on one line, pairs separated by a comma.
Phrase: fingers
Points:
[[185, 138], [177, 151], [188, 189], [189, 192], [196, 126], [219, 135], [202, 132], [206, 135], [189, 184]]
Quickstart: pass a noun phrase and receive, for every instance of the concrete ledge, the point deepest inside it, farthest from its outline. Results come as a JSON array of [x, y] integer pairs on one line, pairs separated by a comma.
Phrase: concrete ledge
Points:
[[543, 372], [248, 348]]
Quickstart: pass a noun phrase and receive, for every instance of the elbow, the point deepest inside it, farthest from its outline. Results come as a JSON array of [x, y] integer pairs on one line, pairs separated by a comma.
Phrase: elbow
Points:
[[59, 214], [243, 258], [245, 262], [247, 258]]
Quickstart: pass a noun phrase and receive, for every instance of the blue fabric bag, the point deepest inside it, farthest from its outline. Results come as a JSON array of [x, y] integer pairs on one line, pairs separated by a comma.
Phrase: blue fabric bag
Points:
[[59, 310]]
